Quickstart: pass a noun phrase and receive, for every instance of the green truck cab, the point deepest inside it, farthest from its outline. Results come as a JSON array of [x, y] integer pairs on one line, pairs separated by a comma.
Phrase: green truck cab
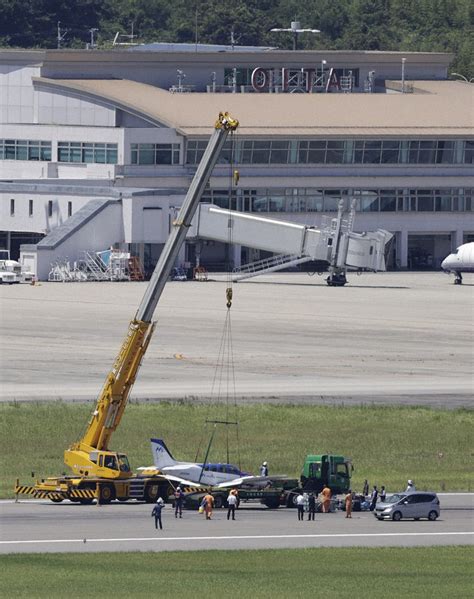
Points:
[[335, 471]]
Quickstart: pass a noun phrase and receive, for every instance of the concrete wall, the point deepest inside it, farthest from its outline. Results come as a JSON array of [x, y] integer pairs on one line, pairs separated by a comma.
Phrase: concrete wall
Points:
[[147, 219], [40, 221], [17, 98]]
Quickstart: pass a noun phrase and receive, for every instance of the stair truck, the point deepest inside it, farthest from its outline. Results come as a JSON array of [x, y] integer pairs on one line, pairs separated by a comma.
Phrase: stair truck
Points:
[[99, 472]]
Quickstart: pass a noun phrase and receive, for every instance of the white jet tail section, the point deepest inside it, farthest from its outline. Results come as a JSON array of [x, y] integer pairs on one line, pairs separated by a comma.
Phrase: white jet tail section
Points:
[[161, 454]]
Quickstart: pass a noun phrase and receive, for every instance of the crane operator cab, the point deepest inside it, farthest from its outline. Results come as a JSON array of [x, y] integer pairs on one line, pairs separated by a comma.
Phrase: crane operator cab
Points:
[[110, 464]]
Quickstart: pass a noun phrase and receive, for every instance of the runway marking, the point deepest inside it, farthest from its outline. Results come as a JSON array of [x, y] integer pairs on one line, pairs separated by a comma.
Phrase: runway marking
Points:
[[238, 537]]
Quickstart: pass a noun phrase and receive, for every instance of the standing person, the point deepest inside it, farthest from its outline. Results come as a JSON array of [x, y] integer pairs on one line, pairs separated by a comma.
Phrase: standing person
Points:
[[326, 498], [383, 494], [208, 505], [311, 506], [348, 500], [365, 490], [235, 492], [410, 487], [264, 469], [300, 506], [178, 502], [157, 512], [373, 498], [232, 503]]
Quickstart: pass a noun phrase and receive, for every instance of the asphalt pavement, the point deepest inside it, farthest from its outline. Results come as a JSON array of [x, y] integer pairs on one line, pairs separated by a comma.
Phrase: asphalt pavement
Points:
[[397, 337], [31, 526]]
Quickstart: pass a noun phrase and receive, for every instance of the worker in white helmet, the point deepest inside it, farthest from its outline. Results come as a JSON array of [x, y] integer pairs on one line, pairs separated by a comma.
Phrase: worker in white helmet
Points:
[[264, 469], [410, 487]]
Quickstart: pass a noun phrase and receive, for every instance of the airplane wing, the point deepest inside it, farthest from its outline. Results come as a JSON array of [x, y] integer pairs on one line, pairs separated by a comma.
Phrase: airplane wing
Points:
[[258, 481], [173, 479], [183, 482]]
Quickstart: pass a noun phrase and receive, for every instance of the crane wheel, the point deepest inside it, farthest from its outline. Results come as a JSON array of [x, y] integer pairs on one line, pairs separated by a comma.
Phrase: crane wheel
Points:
[[56, 499], [86, 501], [218, 502], [152, 491], [106, 493]]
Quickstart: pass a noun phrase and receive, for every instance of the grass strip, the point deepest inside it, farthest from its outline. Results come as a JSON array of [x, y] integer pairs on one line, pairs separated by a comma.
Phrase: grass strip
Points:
[[321, 572], [388, 445]]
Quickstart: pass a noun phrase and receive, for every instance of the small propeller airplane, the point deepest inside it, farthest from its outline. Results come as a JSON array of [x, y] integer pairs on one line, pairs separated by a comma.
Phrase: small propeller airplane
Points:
[[462, 260], [193, 473]]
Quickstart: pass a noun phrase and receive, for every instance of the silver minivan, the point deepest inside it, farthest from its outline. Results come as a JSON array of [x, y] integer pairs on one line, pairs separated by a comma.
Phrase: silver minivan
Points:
[[408, 505]]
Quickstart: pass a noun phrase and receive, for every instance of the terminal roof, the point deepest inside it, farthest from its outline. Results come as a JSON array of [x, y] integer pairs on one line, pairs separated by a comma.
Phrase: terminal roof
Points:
[[435, 108]]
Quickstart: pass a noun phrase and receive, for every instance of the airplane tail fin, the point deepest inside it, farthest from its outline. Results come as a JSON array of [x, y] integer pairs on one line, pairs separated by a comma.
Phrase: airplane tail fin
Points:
[[161, 454]]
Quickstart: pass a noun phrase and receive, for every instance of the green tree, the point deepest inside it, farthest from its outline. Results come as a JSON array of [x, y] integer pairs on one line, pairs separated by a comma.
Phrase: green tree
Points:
[[369, 25]]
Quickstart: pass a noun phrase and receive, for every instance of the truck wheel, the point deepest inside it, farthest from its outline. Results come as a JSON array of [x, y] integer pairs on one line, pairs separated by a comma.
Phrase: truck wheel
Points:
[[272, 503], [86, 501], [106, 494], [152, 491], [56, 499], [218, 502]]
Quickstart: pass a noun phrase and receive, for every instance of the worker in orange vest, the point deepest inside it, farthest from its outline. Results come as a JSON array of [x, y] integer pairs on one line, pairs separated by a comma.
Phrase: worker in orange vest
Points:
[[348, 500], [326, 497], [208, 505]]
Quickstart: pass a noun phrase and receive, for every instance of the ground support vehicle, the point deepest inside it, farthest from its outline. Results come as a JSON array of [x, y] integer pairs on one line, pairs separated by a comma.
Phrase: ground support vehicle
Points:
[[335, 471], [11, 271], [408, 505], [7, 277], [96, 469]]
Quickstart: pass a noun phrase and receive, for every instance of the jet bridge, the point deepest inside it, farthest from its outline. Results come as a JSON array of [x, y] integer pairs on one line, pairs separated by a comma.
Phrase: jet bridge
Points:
[[334, 243]]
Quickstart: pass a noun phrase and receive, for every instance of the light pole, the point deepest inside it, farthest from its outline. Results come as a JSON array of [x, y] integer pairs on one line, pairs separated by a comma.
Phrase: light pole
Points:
[[295, 29], [323, 62], [403, 74]]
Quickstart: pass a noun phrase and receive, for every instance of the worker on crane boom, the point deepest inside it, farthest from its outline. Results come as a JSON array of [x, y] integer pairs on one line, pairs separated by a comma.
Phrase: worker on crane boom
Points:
[[90, 458]]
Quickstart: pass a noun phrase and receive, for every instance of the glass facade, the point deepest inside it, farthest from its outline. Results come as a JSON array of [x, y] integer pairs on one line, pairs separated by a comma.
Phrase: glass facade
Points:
[[155, 153], [303, 199], [348, 151], [24, 149], [87, 152]]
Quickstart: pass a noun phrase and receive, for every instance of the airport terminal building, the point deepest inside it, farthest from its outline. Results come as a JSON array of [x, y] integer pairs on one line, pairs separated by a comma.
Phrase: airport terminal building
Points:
[[98, 148]]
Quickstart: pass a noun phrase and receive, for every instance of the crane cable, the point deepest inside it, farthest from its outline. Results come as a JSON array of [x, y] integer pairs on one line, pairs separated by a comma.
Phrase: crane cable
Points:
[[225, 360]]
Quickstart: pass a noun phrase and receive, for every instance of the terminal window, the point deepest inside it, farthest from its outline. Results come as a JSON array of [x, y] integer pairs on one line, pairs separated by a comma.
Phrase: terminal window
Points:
[[155, 153], [300, 199], [338, 151], [87, 152], [24, 149]]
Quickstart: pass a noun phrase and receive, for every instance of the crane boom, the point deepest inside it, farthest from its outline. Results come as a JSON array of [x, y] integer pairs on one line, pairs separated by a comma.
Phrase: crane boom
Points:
[[83, 457]]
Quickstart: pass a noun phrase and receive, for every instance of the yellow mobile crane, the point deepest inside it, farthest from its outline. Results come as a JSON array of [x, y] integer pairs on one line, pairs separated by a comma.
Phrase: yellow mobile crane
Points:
[[99, 472]]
